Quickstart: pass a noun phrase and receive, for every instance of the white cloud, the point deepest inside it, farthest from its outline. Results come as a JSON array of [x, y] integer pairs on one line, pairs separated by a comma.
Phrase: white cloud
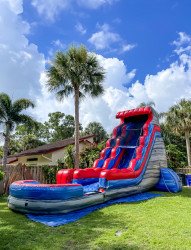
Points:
[[104, 38], [164, 88], [100, 109], [50, 8], [183, 44], [79, 27], [21, 63], [117, 74], [22, 67], [15, 5], [168, 86], [182, 40], [59, 44], [128, 47], [95, 4]]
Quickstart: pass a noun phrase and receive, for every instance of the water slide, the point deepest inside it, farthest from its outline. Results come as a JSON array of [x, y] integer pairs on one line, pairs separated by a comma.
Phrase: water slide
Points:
[[133, 161]]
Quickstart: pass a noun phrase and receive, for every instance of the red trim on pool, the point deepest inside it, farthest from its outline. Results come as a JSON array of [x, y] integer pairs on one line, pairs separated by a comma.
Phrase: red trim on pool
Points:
[[26, 183]]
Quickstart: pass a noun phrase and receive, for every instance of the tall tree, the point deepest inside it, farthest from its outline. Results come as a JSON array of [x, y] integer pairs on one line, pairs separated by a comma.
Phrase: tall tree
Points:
[[1, 152], [175, 147], [75, 72], [179, 120], [26, 136], [97, 130], [59, 127], [10, 115]]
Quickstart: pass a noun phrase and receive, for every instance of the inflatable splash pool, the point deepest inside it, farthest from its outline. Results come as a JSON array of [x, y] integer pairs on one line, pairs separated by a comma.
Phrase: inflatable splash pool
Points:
[[133, 161]]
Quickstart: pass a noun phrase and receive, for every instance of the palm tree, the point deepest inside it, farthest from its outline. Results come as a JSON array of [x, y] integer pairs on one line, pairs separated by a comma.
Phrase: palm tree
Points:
[[179, 120], [10, 115], [75, 72], [144, 104]]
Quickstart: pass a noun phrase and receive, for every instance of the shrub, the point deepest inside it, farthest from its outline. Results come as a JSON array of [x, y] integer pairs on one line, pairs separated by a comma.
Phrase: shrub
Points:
[[50, 172], [90, 154], [175, 157], [1, 175], [68, 161]]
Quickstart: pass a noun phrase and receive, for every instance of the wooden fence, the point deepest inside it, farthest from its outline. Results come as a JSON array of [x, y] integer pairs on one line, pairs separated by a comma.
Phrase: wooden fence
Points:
[[23, 172], [183, 170]]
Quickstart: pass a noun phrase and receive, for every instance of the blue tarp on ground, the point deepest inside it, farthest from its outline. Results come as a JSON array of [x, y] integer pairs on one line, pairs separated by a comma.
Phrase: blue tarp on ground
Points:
[[61, 219]]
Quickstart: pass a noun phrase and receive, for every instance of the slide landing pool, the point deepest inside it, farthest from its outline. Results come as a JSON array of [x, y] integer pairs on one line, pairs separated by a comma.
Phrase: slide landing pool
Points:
[[133, 161]]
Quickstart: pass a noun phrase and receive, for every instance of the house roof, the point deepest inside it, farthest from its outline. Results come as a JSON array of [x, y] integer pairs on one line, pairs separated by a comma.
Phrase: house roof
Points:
[[47, 148], [9, 160]]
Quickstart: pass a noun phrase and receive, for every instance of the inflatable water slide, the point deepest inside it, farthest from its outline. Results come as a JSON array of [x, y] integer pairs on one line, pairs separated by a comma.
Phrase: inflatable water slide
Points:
[[133, 161]]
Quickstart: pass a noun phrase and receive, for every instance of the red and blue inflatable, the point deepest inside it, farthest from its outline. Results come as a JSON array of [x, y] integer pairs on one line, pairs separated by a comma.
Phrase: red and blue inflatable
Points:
[[133, 161]]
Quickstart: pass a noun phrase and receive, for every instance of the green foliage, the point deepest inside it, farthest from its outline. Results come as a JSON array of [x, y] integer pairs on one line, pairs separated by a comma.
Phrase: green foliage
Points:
[[1, 152], [175, 148], [144, 104], [68, 160], [97, 130], [87, 156], [79, 73], [178, 118], [50, 172], [1, 175], [59, 127], [178, 124], [26, 137], [11, 111], [176, 158], [90, 154], [11, 115], [75, 69], [170, 137]]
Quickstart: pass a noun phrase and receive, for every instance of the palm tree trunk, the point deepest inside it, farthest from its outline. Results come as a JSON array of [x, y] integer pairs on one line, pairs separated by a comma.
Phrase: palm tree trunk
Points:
[[187, 136], [6, 146], [77, 152]]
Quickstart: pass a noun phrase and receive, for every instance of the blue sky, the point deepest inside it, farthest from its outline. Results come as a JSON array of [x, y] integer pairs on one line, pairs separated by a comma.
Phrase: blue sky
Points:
[[144, 45], [150, 25]]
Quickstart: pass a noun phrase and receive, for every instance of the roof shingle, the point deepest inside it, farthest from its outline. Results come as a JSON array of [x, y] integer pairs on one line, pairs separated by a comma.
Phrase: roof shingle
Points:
[[51, 146]]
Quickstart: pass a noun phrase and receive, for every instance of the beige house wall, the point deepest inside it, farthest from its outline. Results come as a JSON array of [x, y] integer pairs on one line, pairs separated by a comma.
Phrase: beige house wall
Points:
[[59, 154], [48, 159], [41, 159]]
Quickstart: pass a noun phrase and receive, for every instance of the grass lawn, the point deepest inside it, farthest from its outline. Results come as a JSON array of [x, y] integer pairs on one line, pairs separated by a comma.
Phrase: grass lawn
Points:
[[160, 223]]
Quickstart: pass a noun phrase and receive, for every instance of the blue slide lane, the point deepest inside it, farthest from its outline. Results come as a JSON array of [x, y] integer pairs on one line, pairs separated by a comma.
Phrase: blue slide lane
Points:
[[131, 182]]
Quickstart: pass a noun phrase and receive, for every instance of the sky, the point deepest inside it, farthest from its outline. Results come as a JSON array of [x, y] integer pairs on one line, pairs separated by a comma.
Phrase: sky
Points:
[[143, 45]]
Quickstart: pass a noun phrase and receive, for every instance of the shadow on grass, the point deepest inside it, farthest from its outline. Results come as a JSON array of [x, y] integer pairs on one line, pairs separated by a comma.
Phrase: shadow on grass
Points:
[[186, 192]]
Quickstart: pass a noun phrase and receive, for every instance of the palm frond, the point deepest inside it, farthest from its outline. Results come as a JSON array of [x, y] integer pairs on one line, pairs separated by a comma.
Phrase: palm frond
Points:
[[24, 119], [5, 106], [65, 92], [144, 104], [179, 116], [75, 69], [54, 79], [22, 104]]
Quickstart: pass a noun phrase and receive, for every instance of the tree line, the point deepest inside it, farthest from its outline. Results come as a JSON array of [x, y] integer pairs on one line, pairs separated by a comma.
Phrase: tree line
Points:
[[176, 129], [59, 126]]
